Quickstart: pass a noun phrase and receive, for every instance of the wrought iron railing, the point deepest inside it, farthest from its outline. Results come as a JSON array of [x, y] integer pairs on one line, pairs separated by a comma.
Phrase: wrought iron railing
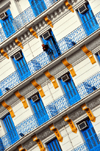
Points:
[[43, 59], [53, 109], [19, 21]]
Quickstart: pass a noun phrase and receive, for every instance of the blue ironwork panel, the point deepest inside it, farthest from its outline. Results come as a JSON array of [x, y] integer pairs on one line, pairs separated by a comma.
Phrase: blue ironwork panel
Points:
[[39, 111], [49, 2], [90, 137], [89, 20], [7, 24], [93, 83], [38, 6], [70, 91], [53, 50], [1, 145], [10, 127], [22, 67], [53, 145], [89, 88]]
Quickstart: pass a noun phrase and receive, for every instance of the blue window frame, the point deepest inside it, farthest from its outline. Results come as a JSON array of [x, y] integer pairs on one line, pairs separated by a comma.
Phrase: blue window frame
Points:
[[89, 21], [53, 145], [22, 67], [90, 137], [98, 57], [39, 110], [70, 90], [7, 24], [1, 93], [51, 46], [11, 129], [38, 6]]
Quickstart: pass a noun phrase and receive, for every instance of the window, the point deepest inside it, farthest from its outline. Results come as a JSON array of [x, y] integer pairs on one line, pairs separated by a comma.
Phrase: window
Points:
[[10, 127], [88, 19], [38, 6], [50, 45], [98, 56], [21, 65], [7, 24], [90, 136], [39, 109], [69, 88], [53, 145], [1, 93]]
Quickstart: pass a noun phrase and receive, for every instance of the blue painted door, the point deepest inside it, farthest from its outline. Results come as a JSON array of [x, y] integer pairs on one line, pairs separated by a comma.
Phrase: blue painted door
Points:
[[7, 24], [39, 111], [70, 91], [89, 21], [54, 145], [10, 127], [38, 6], [22, 68], [53, 48], [91, 138]]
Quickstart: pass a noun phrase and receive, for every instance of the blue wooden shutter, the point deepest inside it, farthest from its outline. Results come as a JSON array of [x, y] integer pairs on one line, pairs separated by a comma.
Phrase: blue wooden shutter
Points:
[[1, 93], [10, 127], [98, 57], [52, 46], [7, 24], [22, 68], [39, 111], [70, 91], [89, 21], [38, 6], [91, 138], [54, 145]]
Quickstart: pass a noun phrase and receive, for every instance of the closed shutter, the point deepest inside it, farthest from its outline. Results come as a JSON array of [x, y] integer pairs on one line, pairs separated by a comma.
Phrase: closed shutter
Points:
[[89, 21], [10, 127], [70, 91], [54, 145], [91, 138], [22, 68], [39, 111], [98, 57], [38, 6], [7, 25]]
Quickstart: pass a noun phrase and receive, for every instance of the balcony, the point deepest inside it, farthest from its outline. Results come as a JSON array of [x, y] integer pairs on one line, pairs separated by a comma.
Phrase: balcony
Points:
[[43, 59], [53, 109], [18, 22]]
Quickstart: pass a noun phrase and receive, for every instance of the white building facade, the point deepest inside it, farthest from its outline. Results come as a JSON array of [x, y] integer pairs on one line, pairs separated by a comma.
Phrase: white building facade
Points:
[[49, 75]]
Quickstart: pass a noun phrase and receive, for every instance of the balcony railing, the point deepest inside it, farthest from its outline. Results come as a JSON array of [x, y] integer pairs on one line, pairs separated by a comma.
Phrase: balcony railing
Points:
[[43, 59], [18, 22], [53, 109]]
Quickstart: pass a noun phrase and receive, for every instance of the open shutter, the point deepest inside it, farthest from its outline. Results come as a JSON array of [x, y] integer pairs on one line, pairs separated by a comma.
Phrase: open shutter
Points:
[[54, 145], [22, 68], [90, 137], [53, 49], [7, 24], [70, 91], [11, 130], [89, 21], [39, 111]]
